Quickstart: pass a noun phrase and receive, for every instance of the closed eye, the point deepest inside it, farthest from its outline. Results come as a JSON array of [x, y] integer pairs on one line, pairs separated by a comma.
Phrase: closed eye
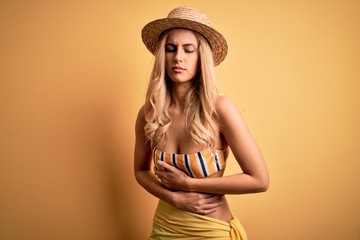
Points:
[[189, 48], [170, 48]]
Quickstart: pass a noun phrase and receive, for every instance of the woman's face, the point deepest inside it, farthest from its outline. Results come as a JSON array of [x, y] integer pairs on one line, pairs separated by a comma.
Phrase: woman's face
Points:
[[181, 56]]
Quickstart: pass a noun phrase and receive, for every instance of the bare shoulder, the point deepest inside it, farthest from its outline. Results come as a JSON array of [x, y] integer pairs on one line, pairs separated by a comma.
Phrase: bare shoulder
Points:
[[229, 117], [140, 120], [224, 106], [141, 112]]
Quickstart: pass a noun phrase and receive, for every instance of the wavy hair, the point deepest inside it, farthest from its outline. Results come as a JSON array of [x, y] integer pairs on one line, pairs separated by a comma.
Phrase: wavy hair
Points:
[[200, 113]]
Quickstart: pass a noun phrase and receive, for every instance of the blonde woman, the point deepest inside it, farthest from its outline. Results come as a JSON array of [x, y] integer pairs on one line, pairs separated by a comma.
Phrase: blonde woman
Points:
[[186, 130]]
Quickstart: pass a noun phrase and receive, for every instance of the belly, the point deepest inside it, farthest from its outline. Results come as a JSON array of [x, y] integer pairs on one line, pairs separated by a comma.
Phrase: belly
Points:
[[223, 212]]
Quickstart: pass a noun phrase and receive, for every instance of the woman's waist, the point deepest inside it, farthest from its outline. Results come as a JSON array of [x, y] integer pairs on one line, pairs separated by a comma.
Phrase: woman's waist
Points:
[[222, 213]]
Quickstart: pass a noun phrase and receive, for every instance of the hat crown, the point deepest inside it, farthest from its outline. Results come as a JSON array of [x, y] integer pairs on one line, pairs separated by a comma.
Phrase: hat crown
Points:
[[189, 13], [186, 18]]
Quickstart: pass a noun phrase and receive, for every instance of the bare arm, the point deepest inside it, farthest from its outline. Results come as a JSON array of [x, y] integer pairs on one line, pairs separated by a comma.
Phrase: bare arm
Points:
[[254, 177], [188, 201], [142, 163]]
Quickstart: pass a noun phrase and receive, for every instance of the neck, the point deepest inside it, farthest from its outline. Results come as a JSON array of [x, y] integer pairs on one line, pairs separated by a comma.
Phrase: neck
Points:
[[178, 94]]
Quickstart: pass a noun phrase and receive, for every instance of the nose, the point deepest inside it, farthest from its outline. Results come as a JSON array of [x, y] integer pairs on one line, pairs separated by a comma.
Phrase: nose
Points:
[[178, 56]]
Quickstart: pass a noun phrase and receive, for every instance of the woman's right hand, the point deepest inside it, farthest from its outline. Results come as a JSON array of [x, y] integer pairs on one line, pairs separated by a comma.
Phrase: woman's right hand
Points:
[[200, 203]]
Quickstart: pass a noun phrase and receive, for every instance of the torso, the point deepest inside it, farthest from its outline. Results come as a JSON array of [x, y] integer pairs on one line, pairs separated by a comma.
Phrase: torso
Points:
[[178, 142]]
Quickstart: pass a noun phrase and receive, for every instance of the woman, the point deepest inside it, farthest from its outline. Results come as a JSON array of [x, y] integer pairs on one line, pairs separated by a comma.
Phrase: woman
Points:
[[186, 129]]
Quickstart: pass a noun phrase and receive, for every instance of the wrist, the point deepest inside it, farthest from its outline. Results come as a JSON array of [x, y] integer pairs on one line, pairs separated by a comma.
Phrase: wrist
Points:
[[172, 198], [189, 184]]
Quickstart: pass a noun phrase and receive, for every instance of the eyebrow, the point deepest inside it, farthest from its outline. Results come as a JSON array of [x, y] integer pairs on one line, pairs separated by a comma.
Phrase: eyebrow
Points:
[[184, 45]]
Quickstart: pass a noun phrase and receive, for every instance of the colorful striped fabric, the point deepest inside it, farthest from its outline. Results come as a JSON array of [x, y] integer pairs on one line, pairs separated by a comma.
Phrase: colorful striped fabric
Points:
[[195, 165]]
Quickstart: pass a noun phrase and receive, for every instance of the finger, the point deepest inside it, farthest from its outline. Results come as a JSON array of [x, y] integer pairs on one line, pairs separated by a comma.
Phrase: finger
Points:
[[217, 200], [207, 195], [206, 211], [160, 174], [212, 207], [214, 196], [166, 166]]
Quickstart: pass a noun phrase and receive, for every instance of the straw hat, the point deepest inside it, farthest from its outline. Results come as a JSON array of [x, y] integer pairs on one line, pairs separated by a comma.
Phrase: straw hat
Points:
[[188, 18]]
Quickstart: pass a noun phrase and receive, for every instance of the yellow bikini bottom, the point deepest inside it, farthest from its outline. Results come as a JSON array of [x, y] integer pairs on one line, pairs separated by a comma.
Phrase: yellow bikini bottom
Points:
[[171, 223]]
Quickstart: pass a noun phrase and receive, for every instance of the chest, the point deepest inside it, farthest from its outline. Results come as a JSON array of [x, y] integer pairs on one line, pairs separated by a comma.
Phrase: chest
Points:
[[178, 137]]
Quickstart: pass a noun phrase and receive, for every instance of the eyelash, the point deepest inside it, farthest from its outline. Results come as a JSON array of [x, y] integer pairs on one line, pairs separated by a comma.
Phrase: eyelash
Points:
[[173, 50], [170, 50]]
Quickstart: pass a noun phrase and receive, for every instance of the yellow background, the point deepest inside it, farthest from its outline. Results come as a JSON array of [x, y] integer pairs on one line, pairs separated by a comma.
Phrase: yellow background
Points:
[[73, 75]]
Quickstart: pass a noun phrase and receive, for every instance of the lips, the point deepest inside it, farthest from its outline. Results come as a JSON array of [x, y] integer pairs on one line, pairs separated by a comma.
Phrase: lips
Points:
[[178, 69]]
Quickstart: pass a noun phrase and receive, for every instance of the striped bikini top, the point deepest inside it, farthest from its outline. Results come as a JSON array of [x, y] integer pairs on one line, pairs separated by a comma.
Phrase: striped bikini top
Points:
[[195, 165]]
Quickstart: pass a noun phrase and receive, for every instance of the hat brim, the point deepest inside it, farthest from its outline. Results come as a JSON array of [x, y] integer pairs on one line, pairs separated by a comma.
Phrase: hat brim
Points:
[[152, 31]]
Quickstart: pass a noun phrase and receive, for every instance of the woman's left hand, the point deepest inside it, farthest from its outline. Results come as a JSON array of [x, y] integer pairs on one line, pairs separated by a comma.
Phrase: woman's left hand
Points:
[[172, 178]]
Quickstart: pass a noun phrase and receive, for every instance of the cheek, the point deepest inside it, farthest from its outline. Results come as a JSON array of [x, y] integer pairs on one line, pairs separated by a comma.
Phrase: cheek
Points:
[[167, 62], [197, 60], [196, 64]]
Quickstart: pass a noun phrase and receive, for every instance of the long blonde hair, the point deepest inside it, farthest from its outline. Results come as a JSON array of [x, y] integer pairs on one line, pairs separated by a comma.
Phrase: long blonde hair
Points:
[[200, 113]]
